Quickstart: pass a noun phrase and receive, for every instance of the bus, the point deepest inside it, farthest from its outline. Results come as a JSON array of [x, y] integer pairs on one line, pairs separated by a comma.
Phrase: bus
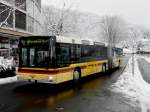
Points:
[[57, 59]]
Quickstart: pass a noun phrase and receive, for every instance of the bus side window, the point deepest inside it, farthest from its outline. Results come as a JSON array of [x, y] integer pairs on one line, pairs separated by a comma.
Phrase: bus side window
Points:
[[65, 54], [24, 56], [78, 52]]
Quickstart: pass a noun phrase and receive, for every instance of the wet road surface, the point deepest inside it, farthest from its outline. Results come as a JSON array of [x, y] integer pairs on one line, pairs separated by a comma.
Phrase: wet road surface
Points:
[[92, 95], [144, 67]]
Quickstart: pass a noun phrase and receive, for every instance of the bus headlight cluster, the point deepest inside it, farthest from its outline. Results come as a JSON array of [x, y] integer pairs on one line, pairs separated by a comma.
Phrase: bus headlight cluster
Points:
[[50, 78]]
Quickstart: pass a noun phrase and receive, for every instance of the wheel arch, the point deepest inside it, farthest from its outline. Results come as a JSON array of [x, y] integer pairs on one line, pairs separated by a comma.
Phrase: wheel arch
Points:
[[79, 69], [104, 67]]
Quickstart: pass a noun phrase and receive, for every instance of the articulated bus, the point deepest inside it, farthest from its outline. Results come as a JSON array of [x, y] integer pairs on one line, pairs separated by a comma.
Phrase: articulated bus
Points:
[[58, 59]]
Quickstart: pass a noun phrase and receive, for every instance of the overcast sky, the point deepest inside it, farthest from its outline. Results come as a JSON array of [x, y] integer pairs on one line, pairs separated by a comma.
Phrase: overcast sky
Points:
[[134, 11]]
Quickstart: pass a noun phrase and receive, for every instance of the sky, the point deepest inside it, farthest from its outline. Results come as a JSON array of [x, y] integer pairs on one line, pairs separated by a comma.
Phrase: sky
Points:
[[136, 12]]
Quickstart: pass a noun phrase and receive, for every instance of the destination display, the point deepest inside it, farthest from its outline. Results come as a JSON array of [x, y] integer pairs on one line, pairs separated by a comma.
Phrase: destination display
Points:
[[34, 42]]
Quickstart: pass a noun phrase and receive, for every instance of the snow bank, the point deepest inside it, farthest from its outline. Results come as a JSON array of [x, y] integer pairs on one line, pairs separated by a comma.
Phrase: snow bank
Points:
[[7, 63], [133, 86], [8, 80]]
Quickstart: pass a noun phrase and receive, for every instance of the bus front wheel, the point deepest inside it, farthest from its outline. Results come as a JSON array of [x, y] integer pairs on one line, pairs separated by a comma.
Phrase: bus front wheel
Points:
[[119, 63], [76, 75], [104, 68]]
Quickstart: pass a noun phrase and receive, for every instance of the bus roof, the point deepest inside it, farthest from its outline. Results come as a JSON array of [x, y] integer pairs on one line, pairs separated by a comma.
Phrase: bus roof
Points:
[[64, 39]]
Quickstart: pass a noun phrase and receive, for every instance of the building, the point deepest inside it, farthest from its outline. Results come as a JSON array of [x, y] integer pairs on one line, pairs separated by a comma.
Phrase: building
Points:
[[18, 18]]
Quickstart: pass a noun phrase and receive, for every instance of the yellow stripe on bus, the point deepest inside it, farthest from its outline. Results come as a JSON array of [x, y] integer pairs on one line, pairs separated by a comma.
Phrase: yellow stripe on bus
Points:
[[87, 68]]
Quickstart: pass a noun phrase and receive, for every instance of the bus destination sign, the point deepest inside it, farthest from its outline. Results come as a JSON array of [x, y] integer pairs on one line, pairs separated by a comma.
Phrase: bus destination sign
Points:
[[30, 42]]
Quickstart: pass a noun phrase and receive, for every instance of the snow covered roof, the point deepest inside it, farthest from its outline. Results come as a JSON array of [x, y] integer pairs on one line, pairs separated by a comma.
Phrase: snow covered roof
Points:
[[144, 40], [74, 40], [63, 39]]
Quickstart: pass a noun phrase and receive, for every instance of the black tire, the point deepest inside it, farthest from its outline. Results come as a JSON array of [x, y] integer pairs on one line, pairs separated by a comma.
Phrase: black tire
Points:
[[119, 63], [29, 80], [76, 75], [35, 81], [103, 68]]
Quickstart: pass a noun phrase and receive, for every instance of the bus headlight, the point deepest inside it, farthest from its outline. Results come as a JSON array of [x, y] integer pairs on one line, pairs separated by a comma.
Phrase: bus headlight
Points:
[[50, 78]]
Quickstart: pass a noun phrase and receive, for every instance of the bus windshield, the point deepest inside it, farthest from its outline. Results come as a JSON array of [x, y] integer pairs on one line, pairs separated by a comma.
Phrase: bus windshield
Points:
[[37, 51], [37, 57]]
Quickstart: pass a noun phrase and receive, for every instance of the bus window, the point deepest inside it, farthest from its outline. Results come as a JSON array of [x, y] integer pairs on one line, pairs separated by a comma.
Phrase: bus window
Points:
[[78, 53], [24, 56], [32, 57], [42, 58], [63, 55]]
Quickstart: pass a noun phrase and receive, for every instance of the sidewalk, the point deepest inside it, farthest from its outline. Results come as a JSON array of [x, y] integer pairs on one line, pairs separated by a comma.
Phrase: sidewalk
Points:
[[8, 80]]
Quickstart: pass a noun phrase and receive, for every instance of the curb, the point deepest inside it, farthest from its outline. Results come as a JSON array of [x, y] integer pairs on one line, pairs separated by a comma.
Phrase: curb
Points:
[[8, 80], [123, 69]]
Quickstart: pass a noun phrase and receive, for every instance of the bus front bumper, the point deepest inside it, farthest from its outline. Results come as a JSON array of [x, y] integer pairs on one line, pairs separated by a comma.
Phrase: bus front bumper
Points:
[[37, 78]]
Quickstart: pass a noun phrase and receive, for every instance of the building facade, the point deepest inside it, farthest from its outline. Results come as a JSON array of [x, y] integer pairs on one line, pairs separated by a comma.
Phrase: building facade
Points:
[[21, 15], [18, 18]]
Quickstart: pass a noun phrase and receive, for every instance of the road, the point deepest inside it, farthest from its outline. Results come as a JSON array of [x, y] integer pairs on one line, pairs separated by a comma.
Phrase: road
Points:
[[144, 67], [93, 95]]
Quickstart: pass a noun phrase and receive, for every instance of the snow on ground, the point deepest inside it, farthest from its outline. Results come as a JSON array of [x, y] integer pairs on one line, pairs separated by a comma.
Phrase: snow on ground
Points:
[[8, 80], [133, 86], [7, 63]]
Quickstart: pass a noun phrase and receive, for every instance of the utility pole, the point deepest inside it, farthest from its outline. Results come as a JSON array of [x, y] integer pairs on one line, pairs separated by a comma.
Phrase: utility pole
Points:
[[133, 37], [109, 52], [133, 60]]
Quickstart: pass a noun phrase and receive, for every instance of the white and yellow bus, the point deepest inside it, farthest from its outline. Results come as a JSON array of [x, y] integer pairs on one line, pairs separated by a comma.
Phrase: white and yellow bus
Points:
[[58, 59]]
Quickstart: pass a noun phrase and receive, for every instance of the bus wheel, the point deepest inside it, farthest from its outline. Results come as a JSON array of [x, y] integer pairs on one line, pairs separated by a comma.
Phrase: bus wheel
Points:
[[119, 63], [104, 68], [29, 80], [76, 75], [35, 81]]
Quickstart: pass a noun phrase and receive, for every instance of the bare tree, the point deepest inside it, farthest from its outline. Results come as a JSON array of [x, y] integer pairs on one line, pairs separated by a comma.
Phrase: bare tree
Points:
[[6, 12], [56, 21], [113, 30]]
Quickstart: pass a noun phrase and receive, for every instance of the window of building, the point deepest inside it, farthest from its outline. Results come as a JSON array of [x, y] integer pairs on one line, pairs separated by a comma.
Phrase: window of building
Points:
[[20, 20], [21, 4], [6, 16], [14, 41]]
